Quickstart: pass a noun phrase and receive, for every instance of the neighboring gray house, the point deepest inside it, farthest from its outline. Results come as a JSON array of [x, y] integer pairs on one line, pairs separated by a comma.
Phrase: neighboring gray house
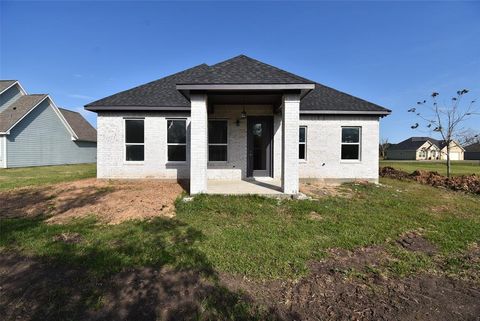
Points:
[[240, 119], [35, 132], [424, 148], [472, 151]]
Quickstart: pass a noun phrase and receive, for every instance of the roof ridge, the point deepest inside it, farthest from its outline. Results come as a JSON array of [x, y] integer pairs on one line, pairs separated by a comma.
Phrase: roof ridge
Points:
[[243, 56]]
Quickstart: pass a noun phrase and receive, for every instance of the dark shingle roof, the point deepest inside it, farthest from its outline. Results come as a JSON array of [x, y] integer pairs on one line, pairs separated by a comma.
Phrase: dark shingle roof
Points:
[[80, 126], [473, 148], [158, 93], [413, 143], [238, 70], [4, 84], [14, 112], [326, 98], [245, 70]]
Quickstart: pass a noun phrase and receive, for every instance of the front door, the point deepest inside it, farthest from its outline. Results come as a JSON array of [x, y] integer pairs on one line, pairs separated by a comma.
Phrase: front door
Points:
[[259, 146]]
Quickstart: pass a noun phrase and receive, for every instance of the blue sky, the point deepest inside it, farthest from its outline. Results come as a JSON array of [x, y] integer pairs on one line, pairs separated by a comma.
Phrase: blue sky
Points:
[[390, 53]]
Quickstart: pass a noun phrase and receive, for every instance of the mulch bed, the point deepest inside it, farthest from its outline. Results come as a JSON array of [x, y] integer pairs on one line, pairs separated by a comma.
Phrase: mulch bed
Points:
[[466, 183]]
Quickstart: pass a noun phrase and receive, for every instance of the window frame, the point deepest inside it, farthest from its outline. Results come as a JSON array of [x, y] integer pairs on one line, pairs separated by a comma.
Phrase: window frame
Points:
[[125, 144], [216, 144], [303, 143], [176, 144], [359, 144]]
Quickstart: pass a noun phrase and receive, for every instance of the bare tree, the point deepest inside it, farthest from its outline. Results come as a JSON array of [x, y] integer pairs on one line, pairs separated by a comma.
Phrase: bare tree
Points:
[[384, 144], [445, 119], [468, 136]]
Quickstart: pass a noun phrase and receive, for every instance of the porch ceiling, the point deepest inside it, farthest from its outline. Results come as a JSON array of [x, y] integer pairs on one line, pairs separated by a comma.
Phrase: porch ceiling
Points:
[[245, 98]]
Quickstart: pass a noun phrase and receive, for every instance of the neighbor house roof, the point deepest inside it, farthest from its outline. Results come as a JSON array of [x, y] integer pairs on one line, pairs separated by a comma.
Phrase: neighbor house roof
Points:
[[473, 148], [4, 84], [162, 94], [18, 109], [80, 126], [412, 143]]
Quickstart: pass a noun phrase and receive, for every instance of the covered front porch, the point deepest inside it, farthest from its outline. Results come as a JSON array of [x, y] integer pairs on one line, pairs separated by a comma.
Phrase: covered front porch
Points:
[[245, 187], [244, 142]]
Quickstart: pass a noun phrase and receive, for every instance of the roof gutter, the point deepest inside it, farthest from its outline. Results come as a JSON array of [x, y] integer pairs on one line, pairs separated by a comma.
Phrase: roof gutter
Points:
[[346, 112], [244, 86], [135, 108]]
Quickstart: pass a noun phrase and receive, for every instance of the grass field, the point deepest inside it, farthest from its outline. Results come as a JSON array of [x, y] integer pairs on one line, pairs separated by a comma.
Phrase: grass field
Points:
[[44, 175], [458, 167], [262, 237], [84, 265]]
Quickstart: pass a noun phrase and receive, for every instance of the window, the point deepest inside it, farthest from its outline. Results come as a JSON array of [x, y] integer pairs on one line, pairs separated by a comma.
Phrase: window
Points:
[[217, 140], [177, 140], [134, 140], [302, 143], [351, 143]]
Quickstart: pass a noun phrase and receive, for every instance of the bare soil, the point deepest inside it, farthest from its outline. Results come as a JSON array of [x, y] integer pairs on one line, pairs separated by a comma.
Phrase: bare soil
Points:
[[112, 201], [319, 190], [329, 293], [466, 183], [35, 290], [414, 241]]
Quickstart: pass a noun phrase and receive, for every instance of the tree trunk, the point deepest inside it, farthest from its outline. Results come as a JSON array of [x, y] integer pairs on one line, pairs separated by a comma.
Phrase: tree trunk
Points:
[[448, 160]]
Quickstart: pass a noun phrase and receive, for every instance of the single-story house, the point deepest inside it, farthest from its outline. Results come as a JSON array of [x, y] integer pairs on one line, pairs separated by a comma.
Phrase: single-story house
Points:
[[472, 151], [35, 132], [424, 148], [240, 119]]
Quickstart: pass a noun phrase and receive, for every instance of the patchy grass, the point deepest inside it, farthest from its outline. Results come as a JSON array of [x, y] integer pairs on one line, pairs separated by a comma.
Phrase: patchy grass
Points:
[[262, 237], [458, 167], [44, 175]]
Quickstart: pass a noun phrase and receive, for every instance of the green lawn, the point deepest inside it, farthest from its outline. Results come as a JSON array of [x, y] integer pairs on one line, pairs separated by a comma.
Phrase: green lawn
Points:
[[263, 237], [458, 167], [32, 176]]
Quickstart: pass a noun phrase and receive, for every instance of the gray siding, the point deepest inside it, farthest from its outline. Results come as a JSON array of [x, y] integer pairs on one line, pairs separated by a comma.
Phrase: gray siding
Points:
[[472, 155], [42, 139], [9, 96], [401, 154]]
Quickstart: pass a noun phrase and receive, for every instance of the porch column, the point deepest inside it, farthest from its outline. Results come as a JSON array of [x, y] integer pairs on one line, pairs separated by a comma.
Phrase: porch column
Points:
[[198, 143], [290, 123]]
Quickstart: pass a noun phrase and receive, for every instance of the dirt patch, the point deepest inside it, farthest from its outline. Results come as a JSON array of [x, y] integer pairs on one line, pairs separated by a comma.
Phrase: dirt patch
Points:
[[69, 238], [414, 241], [112, 201], [319, 190], [328, 293], [34, 290], [466, 183]]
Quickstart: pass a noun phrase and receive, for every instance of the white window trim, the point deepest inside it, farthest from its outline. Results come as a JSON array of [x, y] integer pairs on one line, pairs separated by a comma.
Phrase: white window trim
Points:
[[129, 162], [208, 151], [359, 159], [303, 160], [176, 144]]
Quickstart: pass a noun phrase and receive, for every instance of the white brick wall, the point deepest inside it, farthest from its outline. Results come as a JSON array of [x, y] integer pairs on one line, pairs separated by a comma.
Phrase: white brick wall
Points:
[[111, 147], [290, 124], [323, 147], [199, 147], [324, 135]]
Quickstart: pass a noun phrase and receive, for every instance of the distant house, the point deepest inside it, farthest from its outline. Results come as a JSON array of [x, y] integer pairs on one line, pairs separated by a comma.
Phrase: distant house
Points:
[[35, 132], [472, 151], [424, 148]]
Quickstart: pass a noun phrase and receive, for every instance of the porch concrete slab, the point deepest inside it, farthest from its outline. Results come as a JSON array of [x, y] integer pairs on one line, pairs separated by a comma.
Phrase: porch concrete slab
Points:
[[245, 187]]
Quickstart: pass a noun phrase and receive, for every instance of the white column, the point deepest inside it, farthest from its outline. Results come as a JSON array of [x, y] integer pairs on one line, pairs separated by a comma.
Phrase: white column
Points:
[[198, 143], [290, 123]]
